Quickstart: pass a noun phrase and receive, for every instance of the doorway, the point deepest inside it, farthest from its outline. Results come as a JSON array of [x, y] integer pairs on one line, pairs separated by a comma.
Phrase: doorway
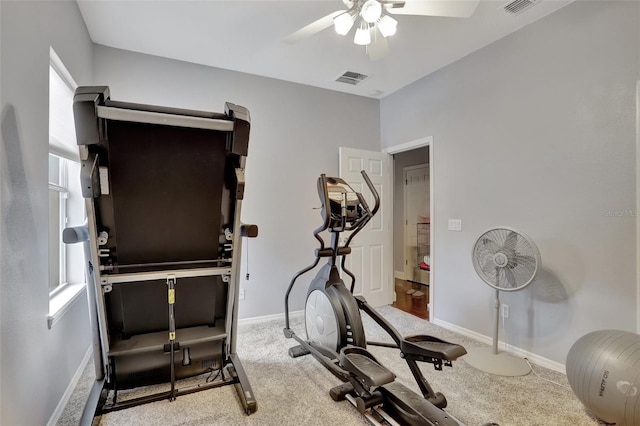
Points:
[[412, 239]]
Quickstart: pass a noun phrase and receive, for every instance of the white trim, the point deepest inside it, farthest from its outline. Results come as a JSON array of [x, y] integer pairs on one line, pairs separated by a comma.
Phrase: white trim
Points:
[[257, 320], [408, 146], [58, 188], [638, 206], [535, 359], [399, 275], [57, 413], [62, 301], [55, 148], [432, 232], [58, 66]]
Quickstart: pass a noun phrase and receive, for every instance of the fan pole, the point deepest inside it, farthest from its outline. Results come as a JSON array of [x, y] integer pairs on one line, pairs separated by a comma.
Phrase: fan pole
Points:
[[490, 360], [496, 306], [507, 251]]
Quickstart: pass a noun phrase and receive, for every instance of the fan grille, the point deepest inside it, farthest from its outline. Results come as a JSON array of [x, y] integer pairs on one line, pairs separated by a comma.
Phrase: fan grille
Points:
[[505, 259]]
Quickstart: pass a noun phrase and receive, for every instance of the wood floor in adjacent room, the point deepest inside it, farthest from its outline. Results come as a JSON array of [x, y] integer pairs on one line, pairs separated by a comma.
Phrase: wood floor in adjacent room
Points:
[[412, 298]]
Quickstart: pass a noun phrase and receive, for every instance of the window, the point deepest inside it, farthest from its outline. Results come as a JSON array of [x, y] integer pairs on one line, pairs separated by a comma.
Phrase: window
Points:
[[66, 206], [58, 195]]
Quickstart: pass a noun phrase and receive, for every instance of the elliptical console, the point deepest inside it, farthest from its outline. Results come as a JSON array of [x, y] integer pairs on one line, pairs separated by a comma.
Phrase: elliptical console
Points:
[[335, 333]]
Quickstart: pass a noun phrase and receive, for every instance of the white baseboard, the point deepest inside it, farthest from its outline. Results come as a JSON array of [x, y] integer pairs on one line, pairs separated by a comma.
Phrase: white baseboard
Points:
[[399, 275], [533, 358], [57, 413], [280, 316]]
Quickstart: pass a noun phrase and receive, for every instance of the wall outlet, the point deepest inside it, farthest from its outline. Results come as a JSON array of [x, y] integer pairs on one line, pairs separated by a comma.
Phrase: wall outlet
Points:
[[505, 311], [241, 294], [455, 225]]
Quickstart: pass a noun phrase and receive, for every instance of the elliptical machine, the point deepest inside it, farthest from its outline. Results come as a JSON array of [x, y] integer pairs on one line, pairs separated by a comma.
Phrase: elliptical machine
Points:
[[335, 332]]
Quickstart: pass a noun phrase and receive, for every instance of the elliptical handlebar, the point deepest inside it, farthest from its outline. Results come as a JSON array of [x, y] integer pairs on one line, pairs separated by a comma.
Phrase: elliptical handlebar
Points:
[[372, 188], [361, 223], [369, 213], [323, 192], [356, 226]]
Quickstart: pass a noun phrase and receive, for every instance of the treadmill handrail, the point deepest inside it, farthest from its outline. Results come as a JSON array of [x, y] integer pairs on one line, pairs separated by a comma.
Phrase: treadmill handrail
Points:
[[165, 110], [161, 275], [163, 264], [150, 117]]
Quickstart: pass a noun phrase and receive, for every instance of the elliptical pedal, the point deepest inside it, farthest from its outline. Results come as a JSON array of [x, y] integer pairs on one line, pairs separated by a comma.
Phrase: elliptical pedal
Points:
[[362, 364], [431, 347]]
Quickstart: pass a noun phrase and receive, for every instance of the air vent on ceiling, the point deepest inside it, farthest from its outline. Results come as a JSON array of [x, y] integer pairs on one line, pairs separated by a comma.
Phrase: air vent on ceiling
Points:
[[352, 77], [517, 6]]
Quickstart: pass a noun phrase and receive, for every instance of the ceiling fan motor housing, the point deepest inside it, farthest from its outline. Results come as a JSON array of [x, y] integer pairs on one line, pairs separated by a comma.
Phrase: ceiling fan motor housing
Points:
[[371, 11]]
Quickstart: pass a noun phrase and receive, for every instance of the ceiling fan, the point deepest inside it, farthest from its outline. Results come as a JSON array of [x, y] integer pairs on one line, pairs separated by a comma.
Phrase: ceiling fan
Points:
[[373, 21]]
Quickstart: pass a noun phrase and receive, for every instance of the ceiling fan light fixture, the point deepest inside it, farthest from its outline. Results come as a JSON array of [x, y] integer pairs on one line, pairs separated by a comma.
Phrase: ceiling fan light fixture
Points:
[[343, 23], [371, 11], [363, 36], [387, 26]]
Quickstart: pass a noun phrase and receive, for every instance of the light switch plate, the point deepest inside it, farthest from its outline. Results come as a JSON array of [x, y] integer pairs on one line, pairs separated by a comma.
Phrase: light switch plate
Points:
[[455, 225]]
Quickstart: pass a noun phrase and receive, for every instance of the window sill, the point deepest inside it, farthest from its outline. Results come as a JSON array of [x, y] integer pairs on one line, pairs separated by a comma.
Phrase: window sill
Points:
[[61, 302]]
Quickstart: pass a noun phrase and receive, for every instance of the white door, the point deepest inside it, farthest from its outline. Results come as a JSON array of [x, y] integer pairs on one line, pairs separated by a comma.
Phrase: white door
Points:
[[416, 210], [371, 258]]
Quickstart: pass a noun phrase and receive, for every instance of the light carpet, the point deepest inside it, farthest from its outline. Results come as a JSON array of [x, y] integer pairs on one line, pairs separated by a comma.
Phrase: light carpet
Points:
[[296, 391]]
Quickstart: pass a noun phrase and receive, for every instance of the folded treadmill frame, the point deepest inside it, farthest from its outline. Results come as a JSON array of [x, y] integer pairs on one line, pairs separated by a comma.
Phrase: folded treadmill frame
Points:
[[134, 280]]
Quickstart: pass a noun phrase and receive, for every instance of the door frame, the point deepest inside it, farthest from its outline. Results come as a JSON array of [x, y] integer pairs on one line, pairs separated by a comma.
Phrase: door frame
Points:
[[638, 206], [408, 146], [407, 257]]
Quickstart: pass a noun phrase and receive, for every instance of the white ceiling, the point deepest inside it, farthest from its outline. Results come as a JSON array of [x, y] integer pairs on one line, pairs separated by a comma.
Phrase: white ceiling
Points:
[[246, 36]]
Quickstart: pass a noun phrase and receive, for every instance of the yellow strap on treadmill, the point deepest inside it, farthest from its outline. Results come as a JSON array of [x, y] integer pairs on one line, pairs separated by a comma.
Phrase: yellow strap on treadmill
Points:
[[172, 296], [172, 335]]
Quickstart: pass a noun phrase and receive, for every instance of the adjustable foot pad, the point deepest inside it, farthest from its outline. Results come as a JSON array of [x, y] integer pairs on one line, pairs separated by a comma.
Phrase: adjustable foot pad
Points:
[[297, 351]]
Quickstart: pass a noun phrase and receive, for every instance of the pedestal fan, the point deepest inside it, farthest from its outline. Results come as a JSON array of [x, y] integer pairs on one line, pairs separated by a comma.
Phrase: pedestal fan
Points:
[[507, 261]]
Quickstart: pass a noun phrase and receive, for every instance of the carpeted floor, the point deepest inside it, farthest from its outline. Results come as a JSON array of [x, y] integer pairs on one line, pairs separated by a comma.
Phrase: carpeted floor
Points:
[[296, 391]]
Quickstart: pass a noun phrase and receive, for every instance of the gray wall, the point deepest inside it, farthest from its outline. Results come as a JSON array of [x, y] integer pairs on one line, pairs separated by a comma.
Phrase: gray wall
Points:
[[536, 131], [36, 364], [295, 134], [400, 161]]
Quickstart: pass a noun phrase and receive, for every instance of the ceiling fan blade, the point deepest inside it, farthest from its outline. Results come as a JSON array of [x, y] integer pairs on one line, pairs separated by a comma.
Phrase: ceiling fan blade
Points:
[[313, 28], [379, 47], [449, 8]]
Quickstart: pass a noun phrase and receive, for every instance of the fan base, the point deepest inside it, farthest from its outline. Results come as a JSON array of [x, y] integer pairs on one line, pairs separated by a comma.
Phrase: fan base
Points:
[[501, 364]]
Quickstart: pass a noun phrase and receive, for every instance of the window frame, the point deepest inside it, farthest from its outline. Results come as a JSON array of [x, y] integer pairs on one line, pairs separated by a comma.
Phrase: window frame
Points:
[[63, 195], [69, 285]]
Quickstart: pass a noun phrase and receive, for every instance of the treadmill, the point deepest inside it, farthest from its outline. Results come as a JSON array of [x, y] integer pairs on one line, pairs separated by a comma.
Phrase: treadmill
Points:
[[163, 239]]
